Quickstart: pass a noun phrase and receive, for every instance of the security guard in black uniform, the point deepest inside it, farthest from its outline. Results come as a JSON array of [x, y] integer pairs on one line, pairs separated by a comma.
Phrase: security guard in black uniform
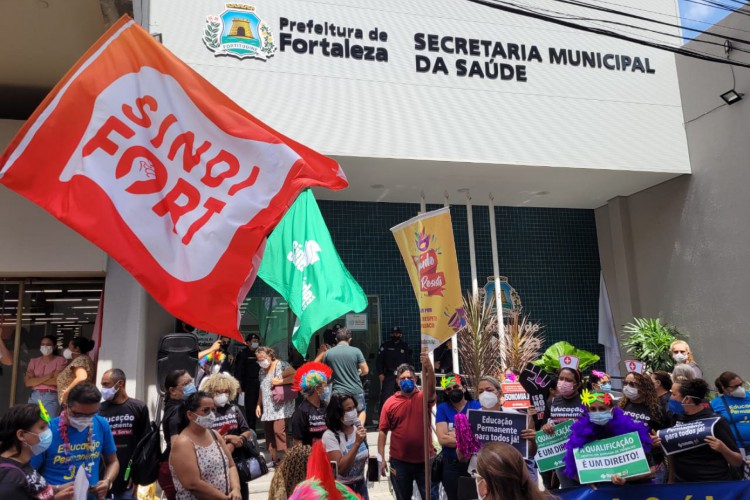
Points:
[[392, 354]]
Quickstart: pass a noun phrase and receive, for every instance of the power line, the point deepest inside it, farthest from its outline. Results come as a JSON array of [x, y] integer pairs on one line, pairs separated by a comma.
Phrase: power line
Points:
[[676, 50]]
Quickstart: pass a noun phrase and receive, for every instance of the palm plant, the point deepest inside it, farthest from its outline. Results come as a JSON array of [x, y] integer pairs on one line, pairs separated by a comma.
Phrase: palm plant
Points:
[[478, 345], [523, 342], [648, 340]]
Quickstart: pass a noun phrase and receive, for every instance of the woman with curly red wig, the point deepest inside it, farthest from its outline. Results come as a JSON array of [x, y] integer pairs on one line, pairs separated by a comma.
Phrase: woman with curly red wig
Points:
[[309, 419]]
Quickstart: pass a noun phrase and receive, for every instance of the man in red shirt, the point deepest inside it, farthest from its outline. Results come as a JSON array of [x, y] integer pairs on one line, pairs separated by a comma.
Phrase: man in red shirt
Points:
[[403, 415]]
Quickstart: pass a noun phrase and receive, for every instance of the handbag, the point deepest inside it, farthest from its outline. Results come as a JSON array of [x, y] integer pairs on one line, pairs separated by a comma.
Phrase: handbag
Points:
[[436, 469], [249, 461], [282, 393], [743, 471]]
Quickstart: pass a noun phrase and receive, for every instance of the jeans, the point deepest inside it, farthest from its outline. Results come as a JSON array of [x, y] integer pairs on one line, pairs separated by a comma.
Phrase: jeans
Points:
[[48, 399], [403, 474], [452, 470], [360, 488]]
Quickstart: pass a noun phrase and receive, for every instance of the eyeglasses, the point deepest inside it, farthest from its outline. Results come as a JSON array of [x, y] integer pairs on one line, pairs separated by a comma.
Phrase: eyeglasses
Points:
[[734, 387], [631, 384]]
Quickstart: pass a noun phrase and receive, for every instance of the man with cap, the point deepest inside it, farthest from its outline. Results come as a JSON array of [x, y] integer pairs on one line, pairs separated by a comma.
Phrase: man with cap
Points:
[[392, 354], [247, 371]]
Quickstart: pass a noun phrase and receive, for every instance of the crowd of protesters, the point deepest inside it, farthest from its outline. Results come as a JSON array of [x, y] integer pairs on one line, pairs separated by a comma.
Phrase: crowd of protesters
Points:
[[71, 427]]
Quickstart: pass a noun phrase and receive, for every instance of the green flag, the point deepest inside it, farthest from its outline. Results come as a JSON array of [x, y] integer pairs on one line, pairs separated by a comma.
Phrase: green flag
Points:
[[301, 263]]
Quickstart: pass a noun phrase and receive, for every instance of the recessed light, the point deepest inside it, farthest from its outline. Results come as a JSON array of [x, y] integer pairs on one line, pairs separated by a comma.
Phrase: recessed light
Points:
[[377, 186], [540, 193], [463, 190]]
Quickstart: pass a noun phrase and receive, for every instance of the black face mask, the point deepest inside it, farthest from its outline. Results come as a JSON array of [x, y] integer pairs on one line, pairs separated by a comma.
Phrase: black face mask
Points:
[[456, 395], [396, 338]]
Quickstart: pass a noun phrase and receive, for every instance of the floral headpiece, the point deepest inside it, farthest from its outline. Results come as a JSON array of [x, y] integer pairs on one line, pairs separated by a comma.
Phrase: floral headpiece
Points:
[[311, 375], [212, 357], [43, 412], [449, 381], [589, 398], [599, 374]]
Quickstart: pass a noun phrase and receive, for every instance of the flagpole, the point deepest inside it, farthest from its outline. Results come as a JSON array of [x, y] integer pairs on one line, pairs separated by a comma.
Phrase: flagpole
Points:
[[454, 338], [427, 420], [472, 254], [422, 203], [496, 272]]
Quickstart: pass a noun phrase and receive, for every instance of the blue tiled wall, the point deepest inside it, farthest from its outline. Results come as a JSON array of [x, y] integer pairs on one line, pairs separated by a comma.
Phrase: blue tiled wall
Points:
[[550, 257]]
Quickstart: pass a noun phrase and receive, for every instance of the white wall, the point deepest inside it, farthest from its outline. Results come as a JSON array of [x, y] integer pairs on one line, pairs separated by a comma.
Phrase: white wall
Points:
[[33, 243], [684, 247], [563, 116]]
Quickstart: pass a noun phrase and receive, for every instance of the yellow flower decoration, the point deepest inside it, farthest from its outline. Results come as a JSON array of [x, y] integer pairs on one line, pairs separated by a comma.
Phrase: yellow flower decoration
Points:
[[449, 381], [588, 397], [43, 412]]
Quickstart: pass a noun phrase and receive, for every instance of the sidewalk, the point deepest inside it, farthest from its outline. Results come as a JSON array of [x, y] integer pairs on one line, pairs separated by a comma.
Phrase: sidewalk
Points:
[[379, 491]]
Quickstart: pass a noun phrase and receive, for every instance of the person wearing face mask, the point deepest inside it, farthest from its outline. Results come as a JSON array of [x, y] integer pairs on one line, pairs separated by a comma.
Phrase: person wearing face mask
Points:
[[41, 375], [392, 354], [24, 433], [403, 415], [309, 419], [201, 464], [178, 385], [599, 381], [641, 403], [246, 371], [273, 372], [501, 474], [456, 403], [733, 404], [704, 463], [80, 369], [681, 354], [230, 422], [345, 441], [567, 404], [129, 420], [601, 420], [81, 439]]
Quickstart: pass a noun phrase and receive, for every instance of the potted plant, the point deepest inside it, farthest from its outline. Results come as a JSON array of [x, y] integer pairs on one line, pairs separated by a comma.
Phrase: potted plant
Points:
[[648, 341]]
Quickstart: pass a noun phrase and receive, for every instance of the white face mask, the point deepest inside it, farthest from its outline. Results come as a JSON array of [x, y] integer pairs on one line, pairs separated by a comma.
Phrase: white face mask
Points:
[[738, 392], [488, 400], [630, 392], [264, 364], [80, 423], [206, 421], [679, 357], [46, 350], [68, 354], [350, 417], [221, 400]]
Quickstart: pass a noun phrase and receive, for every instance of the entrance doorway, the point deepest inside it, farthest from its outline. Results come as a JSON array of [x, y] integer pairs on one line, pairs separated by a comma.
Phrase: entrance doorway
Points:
[[31, 309]]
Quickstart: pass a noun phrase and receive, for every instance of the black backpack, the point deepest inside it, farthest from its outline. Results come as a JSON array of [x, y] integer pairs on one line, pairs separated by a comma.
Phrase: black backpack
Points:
[[146, 459]]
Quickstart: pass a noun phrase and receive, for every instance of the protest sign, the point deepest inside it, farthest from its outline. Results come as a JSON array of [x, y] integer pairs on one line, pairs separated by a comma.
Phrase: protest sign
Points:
[[514, 396], [686, 436], [599, 460], [730, 490], [551, 448], [499, 427], [536, 382]]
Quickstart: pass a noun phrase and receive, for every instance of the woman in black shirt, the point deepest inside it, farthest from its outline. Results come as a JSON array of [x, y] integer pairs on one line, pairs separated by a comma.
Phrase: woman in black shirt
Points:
[[177, 386], [705, 463]]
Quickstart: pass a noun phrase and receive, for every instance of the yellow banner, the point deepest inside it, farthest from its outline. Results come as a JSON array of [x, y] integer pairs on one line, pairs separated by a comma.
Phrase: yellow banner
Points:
[[429, 252]]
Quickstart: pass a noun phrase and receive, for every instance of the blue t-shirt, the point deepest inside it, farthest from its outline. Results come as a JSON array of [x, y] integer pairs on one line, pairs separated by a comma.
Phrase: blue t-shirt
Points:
[[740, 416], [51, 464], [446, 412]]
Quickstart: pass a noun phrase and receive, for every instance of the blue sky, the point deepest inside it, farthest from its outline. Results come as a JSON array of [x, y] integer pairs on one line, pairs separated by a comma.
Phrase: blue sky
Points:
[[699, 12]]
